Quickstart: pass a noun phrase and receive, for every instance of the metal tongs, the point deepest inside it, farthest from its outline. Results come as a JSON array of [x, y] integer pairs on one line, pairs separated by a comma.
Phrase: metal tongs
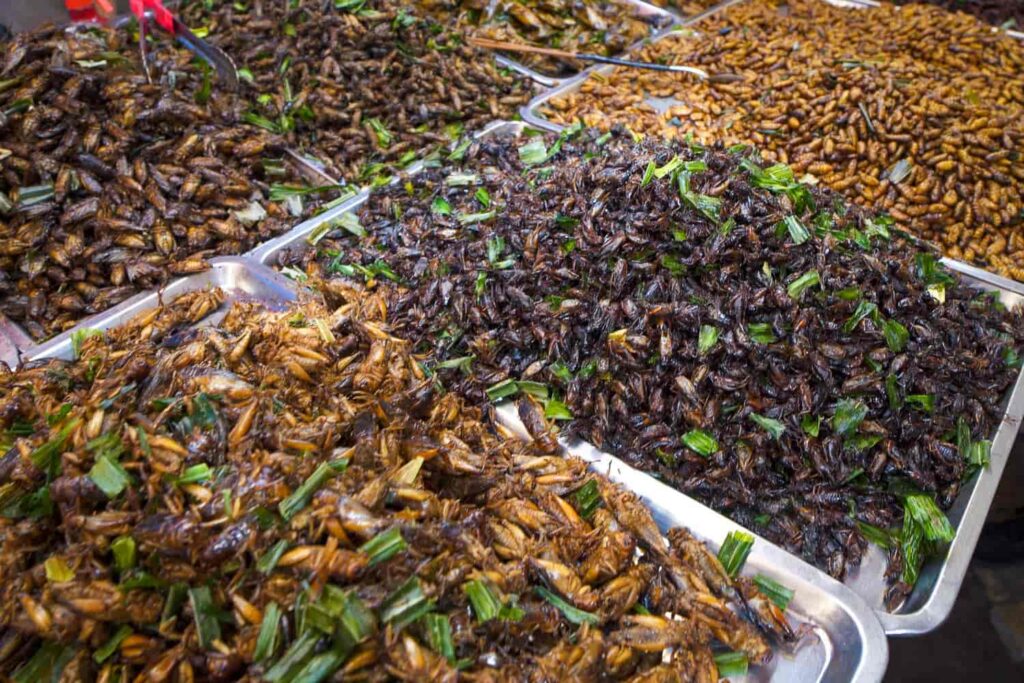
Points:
[[217, 58], [489, 44]]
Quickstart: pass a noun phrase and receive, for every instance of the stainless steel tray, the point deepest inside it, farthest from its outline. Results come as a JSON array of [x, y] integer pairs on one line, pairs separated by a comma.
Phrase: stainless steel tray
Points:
[[239, 278], [531, 111], [845, 642], [932, 598], [941, 579], [643, 9]]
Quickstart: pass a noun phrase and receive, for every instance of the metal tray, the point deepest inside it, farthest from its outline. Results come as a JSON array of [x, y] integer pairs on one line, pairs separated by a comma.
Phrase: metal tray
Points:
[[844, 642], [941, 579], [932, 598], [642, 9], [531, 111], [238, 277]]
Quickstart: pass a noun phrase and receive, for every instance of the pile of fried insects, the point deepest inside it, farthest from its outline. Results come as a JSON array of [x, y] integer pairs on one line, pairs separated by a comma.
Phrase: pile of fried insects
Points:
[[290, 496]]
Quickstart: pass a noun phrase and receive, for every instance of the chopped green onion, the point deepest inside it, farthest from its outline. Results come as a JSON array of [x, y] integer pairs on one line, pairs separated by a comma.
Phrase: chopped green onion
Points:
[[762, 333], [439, 635], [202, 95], [383, 135], [480, 286], [883, 538], [176, 595], [459, 151], [502, 389], [357, 620], [648, 174], [47, 664], [141, 580], [406, 604], [484, 197], [55, 418], [461, 363], [47, 456], [772, 426], [798, 232], [798, 286], [570, 612], [707, 338], [246, 75], [911, 540], [673, 164], [926, 514], [848, 415], [104, 652], [268, 561], [350, 222], [34, 194], [270, 628], [587, 499], [673, 265], [533, 152], [255, 119], [319, 667], [293, 658], [979, 453], [811, 425], [774, 590], [204, 612], [195, 474], [556, 410], [731, 664], [473, 218], [384, 546], [486, 605], [700, 442], [865, 309], [892, 392], [896, 335], [862, 442], [300, 498], [734, 551], [441, 207], [123, 549], [293, 273], [57, 570], [849, 293], [461, 179], [495, 248], [924, 402], [535, 389], [110, 476], [280, 192], [963, 436]]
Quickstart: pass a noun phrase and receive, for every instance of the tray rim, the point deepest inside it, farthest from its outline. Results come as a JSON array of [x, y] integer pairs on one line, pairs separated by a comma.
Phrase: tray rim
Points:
[[116, 316]]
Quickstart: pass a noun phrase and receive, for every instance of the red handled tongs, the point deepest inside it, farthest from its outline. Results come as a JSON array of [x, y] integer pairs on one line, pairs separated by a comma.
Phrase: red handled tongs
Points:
[[216, 57]]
